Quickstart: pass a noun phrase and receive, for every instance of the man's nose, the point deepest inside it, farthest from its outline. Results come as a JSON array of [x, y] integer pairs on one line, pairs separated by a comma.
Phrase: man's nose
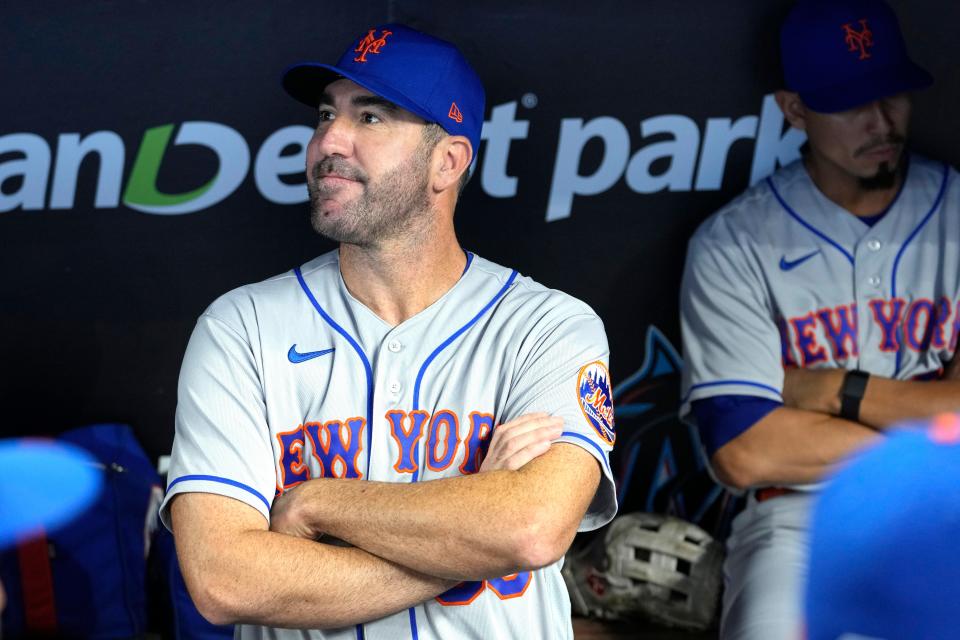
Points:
[[333, 137], [880, 117]]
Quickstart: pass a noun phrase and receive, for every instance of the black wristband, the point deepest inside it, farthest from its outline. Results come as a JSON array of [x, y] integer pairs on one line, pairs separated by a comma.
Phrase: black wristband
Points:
[[851, 393]]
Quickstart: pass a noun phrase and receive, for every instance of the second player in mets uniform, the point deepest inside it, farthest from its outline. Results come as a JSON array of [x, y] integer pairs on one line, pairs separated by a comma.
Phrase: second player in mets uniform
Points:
[[398, 439], [812, 303]]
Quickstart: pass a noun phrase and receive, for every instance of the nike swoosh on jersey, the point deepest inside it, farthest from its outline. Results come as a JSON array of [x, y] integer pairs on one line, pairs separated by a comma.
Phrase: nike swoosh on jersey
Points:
[[787, 265], [296, 357]]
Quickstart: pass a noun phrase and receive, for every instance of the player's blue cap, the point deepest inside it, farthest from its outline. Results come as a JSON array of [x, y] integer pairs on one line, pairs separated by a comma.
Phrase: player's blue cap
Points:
[[43, 484], [884, 557], [840, 54], [418, 72]]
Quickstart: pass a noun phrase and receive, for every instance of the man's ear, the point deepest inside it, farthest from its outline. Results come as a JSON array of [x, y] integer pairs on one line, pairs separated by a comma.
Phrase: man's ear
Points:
[[454, 154], [794, 110]]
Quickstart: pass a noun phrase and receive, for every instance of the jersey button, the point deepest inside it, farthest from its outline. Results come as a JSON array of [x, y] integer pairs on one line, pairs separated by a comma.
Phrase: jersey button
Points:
[[394, 346], [395, 387], [874, 245], [874, 281]]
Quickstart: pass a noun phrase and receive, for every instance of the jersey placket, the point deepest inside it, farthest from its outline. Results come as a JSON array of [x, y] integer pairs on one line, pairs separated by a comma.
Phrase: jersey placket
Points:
[[393, 374], [871, 272]]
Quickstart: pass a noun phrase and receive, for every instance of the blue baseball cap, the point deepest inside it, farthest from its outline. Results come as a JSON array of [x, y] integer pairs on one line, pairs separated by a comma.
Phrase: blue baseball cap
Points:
[[840, 54], [43, 484], [884, 553], [418, 72]]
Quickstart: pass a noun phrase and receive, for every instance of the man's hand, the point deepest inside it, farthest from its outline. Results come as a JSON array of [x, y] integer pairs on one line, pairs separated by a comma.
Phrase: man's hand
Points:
[[519, 441], [952, 370], [813, 389], [288, 514]]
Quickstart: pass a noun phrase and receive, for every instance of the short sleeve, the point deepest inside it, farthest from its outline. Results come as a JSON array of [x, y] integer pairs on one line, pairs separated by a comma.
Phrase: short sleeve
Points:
[[731, 342], [564, 372], [222, 442]]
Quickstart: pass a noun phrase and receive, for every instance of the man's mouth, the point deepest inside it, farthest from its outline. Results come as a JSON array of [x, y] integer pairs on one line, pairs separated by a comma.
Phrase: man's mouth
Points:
[[334, 171], [883, 150], [335, 178]]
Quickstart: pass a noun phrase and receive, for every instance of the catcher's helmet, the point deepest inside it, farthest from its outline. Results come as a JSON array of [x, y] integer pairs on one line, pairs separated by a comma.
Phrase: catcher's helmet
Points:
[[648, 565]]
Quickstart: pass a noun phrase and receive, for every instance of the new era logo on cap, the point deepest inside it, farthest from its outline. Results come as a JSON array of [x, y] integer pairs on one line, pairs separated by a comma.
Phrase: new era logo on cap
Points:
[[454, 113]]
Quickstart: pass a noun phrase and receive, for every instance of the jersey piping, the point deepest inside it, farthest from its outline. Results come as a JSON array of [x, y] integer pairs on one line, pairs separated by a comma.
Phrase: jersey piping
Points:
[[580, 436], [913, 234], [367, 369], [416, 392], [717, 383], [232, 483], [446, 343], [793, 214]]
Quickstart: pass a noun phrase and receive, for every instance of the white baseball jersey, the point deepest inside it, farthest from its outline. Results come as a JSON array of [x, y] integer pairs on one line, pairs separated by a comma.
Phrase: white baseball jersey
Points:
[[292, 378], [782, 277]]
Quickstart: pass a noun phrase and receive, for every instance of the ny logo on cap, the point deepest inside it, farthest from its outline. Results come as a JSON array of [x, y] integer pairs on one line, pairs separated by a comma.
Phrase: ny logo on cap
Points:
[[370, 45], [856, 40]]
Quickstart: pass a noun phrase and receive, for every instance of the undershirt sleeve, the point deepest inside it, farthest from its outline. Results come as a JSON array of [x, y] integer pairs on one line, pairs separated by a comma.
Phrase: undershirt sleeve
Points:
[[720, 419]]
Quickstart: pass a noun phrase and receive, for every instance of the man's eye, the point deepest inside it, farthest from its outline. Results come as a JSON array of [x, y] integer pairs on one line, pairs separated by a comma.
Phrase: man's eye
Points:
[[325, 115], [369, 118]]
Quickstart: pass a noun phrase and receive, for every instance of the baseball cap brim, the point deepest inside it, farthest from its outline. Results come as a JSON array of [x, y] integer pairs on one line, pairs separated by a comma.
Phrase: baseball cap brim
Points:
[[874, 85], [306, 81], [43, 484]]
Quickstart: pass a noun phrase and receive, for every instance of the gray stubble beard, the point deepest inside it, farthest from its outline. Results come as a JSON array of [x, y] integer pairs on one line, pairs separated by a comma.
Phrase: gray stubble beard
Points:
[[389, 208]]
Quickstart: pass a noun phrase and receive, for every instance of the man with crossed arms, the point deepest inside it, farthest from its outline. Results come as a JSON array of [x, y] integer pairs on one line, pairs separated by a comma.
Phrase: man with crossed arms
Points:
[[817, 306], [353, 400]]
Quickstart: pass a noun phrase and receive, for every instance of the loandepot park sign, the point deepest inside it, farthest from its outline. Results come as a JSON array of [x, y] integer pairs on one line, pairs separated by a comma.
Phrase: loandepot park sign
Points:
[[697, 158]]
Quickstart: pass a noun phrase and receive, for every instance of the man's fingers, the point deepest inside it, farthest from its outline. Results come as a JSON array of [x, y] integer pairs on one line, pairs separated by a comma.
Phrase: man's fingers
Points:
[[513, 447], [525, 455], [524, 420], [512, 435], [952, 370], [521, 441], [526, 423]]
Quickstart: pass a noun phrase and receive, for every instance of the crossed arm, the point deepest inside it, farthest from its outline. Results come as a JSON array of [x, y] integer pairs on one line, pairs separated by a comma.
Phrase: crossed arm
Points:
[[411, 541], [727, 311], [238, 571], [804, 440]]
